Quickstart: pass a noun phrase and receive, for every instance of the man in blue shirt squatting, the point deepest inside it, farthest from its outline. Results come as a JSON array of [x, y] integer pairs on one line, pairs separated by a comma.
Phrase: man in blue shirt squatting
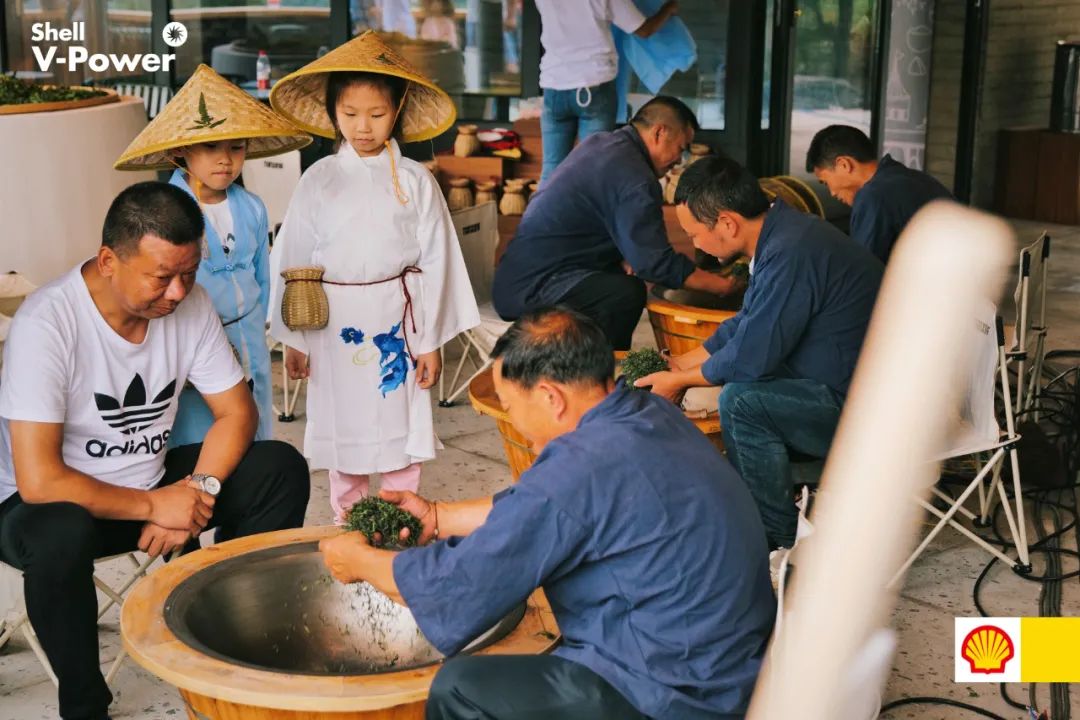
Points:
[[644, 539], [883, 195], [595, 230], [787, 357]]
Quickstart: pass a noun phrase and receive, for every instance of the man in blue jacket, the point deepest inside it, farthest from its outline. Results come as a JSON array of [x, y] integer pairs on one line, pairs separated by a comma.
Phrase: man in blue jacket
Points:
[[595, 230], [883, 195], [659, 580], [786, 359]]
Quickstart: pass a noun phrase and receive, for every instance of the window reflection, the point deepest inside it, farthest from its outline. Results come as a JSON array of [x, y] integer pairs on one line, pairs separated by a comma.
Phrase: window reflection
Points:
[[702, 87], [228, 35], [834, 45], [468, 47]]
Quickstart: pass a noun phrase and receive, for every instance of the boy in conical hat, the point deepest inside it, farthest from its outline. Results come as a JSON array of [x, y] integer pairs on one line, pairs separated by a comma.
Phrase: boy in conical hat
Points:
[[394, 276], [206, 132]]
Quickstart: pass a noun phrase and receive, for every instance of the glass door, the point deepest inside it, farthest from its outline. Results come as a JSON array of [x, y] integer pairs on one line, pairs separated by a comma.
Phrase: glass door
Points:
[[825, 54]]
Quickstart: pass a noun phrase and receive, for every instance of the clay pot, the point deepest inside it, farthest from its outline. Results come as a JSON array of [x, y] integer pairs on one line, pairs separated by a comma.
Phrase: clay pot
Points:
[[466, 143], [513, 200], [485, 192], [460, 195]]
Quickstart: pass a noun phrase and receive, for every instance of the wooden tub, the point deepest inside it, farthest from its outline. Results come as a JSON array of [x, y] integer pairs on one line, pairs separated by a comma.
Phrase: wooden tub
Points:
[[519, 453]]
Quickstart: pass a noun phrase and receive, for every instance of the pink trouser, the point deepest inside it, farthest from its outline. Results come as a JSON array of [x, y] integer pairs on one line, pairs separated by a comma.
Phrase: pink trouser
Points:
[[346, 488]]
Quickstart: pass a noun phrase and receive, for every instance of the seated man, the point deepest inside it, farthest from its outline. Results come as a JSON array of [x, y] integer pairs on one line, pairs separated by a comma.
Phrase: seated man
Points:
[[883, 195], [597, 226], [659, 580], [786, 359], [92, 371]]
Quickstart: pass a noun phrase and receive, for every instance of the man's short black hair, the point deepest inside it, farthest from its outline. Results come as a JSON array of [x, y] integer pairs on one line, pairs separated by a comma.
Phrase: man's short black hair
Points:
[[151, 208], [836, 141], [555, 344], [666, 110], [715, 184]]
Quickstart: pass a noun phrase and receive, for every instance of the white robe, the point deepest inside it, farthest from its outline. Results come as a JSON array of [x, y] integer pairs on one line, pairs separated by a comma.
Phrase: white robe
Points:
[[345, 216]]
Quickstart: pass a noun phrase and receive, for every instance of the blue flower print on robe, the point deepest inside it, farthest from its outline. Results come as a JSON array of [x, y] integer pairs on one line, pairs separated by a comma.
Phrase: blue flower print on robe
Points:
[[393, 360], [352, 335]]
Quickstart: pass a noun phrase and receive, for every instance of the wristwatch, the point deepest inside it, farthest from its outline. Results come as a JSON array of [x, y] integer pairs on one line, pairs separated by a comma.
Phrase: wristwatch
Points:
[[207, 483]]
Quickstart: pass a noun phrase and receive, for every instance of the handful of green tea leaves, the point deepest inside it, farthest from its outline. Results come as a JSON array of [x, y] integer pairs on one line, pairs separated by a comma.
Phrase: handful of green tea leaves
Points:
[[740, 270], [381, 523], [639, 363]]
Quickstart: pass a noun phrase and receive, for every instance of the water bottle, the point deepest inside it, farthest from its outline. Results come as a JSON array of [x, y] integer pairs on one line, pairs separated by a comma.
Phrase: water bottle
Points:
[[262, 71]]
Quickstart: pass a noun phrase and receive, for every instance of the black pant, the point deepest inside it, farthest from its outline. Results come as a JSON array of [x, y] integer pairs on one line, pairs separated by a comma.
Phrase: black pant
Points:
[[613, 300], [524, 687], [55, 545]]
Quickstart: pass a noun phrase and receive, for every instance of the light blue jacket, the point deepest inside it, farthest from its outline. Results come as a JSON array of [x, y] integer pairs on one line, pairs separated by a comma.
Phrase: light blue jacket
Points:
[[654, 59], [239, 285]]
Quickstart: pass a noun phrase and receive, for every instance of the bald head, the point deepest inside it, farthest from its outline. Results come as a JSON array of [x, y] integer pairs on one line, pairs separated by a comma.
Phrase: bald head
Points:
[[555, 345]]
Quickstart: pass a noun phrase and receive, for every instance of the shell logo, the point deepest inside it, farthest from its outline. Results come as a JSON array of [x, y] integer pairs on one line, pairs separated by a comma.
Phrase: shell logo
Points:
[[987, 648]]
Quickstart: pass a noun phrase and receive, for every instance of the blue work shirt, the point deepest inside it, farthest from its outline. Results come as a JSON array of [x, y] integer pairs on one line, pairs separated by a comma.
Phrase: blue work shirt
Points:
[[649, 547], [600, 207], [805, 312], [885, 204]]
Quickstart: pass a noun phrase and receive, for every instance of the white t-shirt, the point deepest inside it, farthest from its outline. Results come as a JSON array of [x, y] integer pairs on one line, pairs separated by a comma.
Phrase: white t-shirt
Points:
[[220, 217], [117, 400], [579, 50]]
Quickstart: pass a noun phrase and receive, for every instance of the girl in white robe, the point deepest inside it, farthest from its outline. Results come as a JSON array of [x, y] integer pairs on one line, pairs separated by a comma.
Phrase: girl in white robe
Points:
[[396, 285]]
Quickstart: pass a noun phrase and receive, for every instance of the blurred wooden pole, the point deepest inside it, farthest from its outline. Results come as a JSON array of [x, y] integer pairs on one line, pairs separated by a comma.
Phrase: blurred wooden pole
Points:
[[894, 419]]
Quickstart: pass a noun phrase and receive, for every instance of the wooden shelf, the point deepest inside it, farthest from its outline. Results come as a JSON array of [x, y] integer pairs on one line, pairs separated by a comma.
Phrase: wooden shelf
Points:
[[1038, 175]]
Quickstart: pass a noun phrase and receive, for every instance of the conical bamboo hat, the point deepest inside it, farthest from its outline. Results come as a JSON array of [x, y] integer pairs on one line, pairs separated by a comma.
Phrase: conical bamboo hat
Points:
[[301, 97], [209, 108]]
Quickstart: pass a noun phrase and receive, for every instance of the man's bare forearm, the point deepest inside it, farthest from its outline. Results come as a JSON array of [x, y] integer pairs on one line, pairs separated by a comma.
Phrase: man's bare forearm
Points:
[[102, 500], [711, 282], [461, 518], [378, 569], [226, 443]]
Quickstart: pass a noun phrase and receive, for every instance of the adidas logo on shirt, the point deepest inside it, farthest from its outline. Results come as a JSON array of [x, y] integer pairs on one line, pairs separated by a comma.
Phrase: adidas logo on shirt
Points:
[[130, 416]]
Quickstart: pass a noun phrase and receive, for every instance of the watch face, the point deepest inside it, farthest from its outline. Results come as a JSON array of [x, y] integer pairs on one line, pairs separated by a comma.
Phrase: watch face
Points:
[[211, 485]]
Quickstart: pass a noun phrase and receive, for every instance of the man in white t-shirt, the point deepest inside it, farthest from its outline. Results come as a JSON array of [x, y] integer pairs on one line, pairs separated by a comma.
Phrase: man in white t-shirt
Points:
[[578, 69], [92, 370]]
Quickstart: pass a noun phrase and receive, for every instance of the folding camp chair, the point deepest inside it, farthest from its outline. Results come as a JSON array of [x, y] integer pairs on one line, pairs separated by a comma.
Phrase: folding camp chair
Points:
[[1028, 349], [18, 621], [13, 288], [478, 233], [287, 411], [274, 180], [868, 672], [978, 432]]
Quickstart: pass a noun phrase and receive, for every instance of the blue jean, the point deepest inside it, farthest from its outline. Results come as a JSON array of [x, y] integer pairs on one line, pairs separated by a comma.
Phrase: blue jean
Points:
[[564, 120], [763, 423]]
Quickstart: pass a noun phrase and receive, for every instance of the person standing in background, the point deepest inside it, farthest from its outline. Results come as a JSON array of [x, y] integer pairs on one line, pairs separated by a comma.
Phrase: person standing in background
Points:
[[579, 65]]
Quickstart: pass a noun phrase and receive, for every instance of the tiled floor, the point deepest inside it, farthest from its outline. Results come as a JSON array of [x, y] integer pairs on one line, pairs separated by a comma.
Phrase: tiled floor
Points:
[[938, 587]]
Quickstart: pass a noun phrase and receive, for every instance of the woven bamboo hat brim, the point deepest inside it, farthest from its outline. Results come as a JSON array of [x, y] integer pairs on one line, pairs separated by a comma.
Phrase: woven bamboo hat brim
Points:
[[301, 97], [209, 108]]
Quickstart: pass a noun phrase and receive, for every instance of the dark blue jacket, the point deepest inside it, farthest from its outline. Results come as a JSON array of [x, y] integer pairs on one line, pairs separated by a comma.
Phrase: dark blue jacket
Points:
[[805, 312], [601, 206], [885, 204], [659, 580]]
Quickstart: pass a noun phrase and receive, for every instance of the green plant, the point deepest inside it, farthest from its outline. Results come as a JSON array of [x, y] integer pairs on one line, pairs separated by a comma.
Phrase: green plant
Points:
[[381, 522], [639, 363], [14, 91]]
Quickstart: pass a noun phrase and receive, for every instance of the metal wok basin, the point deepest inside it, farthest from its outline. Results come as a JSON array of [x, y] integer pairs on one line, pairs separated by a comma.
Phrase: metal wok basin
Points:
[[279, 610]]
